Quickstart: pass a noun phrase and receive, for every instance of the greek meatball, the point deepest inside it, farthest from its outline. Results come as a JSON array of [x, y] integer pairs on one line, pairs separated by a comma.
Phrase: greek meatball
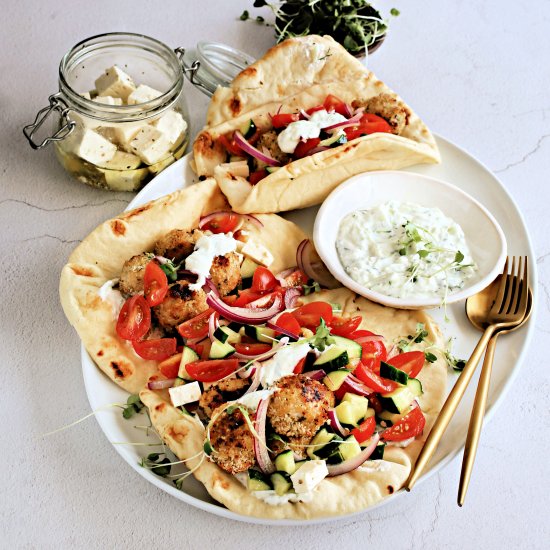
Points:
[[389, 108], [222, 392], [300, 407], [131, 276], [226, 272], [233, 442], [268, 141], [177, 244], [180, 304]]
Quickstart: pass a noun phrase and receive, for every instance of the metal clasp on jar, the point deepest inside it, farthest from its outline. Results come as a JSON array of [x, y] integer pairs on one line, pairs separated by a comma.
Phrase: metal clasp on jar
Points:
[[56, 104]]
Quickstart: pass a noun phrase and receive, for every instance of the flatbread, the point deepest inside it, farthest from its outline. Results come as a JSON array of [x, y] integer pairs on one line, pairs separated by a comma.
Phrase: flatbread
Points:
[[339, 495], [101, 255], [299, 74]]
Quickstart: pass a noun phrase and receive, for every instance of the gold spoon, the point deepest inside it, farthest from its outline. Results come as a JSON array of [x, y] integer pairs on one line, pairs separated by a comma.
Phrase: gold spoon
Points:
[[477, 307]]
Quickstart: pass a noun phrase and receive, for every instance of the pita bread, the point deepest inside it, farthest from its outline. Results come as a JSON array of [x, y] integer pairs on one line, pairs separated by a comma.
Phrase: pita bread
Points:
[[101, 255], [344, 494]]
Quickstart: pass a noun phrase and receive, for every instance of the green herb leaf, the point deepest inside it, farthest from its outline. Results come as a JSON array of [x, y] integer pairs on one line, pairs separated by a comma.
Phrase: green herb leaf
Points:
[[430, 357], [260, 3], [395, 12], [322, 337], [208, 449], [459, 257], [244, 15], [171, 270], [134, 405], [260, 19], [161, 470], [311, 287]]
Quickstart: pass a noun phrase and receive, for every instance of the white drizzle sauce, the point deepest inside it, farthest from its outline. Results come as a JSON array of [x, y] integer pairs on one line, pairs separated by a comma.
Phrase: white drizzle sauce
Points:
[[108, 294], [405, 250]]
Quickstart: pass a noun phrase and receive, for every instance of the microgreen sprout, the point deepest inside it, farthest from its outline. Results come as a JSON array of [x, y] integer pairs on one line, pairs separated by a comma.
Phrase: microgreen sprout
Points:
[[133, 406], [322, 338], [311, 287]]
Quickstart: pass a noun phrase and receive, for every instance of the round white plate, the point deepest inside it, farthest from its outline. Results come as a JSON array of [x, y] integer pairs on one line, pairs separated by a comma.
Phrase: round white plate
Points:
[[458, 168]]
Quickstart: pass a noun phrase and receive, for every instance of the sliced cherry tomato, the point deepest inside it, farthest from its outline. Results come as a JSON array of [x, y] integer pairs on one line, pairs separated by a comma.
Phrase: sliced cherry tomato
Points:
[[157, 349], [310, 315], [373, 352], [155, 284], [230, 146], [211, 371], [171, 366], [372, 380], [341, 326], [375, 403], [411, 425], [134, 319], [245, 297], [222, 222], [410, 362], [312, 110], [252, 349], [333, 103], [283, 120], [288, 322], [257, 176], [197, 348], [369, 124], [365, 430], [304, 147], [197, 327], [263, 280], [300, 366], [297, 278], [266, 300]]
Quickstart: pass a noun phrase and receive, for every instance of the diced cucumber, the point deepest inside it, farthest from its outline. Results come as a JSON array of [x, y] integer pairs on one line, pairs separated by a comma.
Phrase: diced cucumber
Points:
[[336, 457], [336, 139], [272, 169], [333, 380], [346, 413], [359, 404], [415, 386], [349, 447], [398, 400], [235, 327], [322, 437], [353, 348], [257, 481], [187, 356], [285, 462], [332, 359], [281, 483], [178, 382], [248, 129], [378, 453], [391, 418], [327, 450], [262, 334], [220, 351], [247, 268], [225, 334], [391, 373]]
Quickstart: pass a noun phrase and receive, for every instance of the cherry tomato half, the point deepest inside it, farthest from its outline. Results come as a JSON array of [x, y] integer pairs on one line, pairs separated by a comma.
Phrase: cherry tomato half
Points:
[[410, 362], [365, 430], [222, 222], [197, 327], [230, 146], [304, 147], [411, 425], [171, 366], [333, 103], [373, 381], [373, 351], [257, 176], [245, 297], [369, 124], [296, 278], [263, 280], [310, 315], [288, 322], [299, 366], [155, 284], [341, 326], [312, 110], [134, 319], [157, 349], [283, 120], [252, 349], [211, 371]]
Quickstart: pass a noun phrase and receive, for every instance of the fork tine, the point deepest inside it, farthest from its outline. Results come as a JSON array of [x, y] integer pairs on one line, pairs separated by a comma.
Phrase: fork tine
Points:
[[502, 287], [511, 291], [524, 291]]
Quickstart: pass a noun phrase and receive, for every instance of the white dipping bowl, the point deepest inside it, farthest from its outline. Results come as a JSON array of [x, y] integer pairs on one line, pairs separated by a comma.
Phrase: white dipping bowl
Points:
[[483, 233]]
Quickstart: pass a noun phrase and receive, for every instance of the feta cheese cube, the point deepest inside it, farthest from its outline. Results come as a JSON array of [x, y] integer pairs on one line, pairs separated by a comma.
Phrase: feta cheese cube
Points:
[[108, 100], [172, 124], [150, 145], [187, 393], [91, 146], [308, 476], [125, 181], [122, 133], [142, 94], [116, 83], [122, 161], [257, 252]]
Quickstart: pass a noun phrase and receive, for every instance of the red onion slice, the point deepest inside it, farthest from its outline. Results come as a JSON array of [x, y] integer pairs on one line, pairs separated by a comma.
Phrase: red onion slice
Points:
[[252, 219], [291, 296], [260, 446], [281, 277], [318, 272], [393, 352], [315, 374], [304, 114], [161, 384], [352, 384], [255, 379], [355, 119], [251, 150], [262, 356], [244, 315], [277, 328], [319, 149], [335, 423], [213, 324], [356, 461]]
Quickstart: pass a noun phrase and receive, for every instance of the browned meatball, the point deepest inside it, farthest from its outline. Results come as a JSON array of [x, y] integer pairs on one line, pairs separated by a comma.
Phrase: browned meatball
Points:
[[180, 304], [222, 392], [233, 443], [226, 272], [131, 276], [389, 108], [300, 406], [177, 244], [268, 141]]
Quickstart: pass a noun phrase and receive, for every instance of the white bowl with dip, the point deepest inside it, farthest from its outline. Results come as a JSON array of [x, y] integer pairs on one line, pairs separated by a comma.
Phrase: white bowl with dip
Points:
[[370, 190]]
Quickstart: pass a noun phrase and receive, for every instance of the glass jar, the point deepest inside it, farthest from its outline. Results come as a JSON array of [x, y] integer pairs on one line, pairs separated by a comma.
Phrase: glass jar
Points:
[[120, 115]]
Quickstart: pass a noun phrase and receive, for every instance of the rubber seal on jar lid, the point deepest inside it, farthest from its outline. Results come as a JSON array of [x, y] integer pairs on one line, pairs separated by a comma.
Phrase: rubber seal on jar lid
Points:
[[213, 64]]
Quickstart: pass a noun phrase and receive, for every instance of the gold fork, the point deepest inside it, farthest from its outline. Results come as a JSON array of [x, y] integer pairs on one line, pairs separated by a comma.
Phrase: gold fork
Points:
[[507, 311]]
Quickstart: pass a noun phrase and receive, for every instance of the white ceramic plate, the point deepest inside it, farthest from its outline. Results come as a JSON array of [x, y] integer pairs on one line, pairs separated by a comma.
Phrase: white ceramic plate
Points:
[[458, 168], [365, 191]]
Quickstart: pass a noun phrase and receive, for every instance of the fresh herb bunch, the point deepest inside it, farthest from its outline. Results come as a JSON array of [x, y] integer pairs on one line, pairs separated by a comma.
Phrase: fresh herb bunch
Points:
[[353, 23]]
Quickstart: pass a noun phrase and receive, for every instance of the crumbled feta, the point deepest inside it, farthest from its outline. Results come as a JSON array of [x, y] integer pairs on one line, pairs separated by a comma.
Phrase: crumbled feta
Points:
[[186, 393], [108, 100], [309, 476], [252, 399], [282, 363], [122, 161], [171, 124], [257, 252], [143, 94], [116, 83], [91, 146], [150, 145]]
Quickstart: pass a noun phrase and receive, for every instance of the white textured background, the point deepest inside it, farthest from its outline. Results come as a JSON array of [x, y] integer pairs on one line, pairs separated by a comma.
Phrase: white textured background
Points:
[[477, 72]]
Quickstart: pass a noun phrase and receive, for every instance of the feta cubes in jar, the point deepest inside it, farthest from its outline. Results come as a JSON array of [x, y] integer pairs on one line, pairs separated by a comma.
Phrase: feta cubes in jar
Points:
[[123, 94]]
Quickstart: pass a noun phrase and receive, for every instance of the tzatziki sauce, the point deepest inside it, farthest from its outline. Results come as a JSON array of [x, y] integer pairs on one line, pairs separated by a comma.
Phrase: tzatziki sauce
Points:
[[405, 250]]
